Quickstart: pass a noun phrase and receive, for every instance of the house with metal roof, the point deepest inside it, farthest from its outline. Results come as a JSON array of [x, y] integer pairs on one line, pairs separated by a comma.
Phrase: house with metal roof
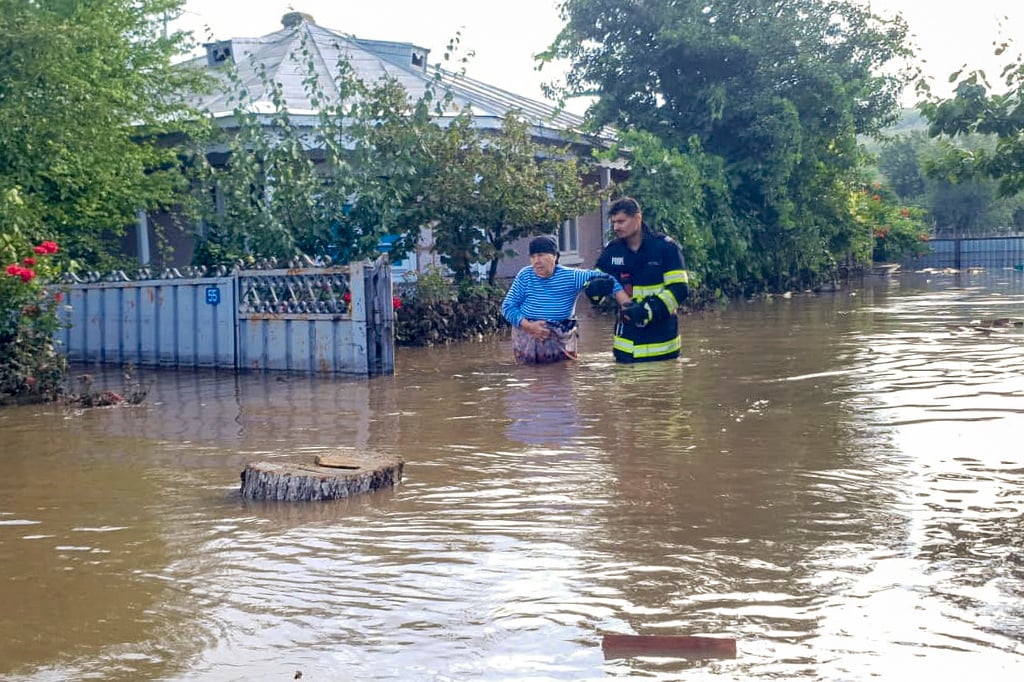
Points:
[[273, 57]]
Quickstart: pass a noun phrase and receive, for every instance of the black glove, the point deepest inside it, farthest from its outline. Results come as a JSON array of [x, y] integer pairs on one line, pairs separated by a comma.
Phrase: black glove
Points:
[[598, 288], [637, 313]]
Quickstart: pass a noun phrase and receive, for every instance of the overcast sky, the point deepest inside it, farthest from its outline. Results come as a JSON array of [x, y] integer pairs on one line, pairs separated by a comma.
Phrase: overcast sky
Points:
[[505, 36]]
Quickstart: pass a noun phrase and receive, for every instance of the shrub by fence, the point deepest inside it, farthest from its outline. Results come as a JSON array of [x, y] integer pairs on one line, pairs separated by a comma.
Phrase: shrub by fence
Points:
[[432, 313]]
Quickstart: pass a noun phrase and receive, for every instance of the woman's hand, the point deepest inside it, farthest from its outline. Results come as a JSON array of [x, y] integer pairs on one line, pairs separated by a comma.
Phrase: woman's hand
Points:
[[538, 329]]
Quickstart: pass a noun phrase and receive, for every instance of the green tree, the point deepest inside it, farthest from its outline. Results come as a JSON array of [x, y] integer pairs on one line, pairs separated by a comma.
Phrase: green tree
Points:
[[273, 197], [996, 112], [963, 209], [899, 162], [333, 182], [89, 101], [378, 162], [777, 92], [958, 201], [490, 189]]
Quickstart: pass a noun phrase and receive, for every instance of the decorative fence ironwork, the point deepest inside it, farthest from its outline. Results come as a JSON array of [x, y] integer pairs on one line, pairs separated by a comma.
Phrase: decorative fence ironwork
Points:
[[320, 320], [320, 291]]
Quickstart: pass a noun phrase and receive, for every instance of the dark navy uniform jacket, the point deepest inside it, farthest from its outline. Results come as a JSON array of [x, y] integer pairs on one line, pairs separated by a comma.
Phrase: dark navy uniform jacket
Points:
[[654, 272]]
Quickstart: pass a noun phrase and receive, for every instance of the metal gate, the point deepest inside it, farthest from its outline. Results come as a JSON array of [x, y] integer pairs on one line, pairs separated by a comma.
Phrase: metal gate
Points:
[[315, 320]]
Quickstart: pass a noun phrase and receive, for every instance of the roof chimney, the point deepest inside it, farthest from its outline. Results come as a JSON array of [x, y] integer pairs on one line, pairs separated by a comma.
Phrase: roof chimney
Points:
[[293, 19]]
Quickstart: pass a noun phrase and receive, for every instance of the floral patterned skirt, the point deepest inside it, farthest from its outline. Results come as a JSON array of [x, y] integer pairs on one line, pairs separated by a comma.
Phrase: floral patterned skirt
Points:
[[561, 345]]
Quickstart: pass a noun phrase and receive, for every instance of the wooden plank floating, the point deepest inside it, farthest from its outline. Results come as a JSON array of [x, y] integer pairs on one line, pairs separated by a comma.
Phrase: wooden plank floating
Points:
[[337, 461], [327, 477], [672, 646]]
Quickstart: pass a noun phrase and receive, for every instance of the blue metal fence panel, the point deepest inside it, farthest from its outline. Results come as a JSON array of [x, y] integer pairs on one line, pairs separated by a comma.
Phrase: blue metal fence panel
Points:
[[300, 343], [980, 252], [178, 323], [314, 320], [941, 255], [304, 320]]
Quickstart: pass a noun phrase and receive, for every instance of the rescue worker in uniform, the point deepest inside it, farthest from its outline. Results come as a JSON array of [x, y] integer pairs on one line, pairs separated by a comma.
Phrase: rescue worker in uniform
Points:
[[649, 266]]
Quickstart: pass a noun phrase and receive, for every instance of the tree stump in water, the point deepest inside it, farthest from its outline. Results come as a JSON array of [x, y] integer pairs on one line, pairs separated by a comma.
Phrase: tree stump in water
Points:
[[327, 477]]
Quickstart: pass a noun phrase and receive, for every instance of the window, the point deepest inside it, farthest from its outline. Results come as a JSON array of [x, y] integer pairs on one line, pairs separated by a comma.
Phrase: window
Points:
[[218, 53], [569, 239]]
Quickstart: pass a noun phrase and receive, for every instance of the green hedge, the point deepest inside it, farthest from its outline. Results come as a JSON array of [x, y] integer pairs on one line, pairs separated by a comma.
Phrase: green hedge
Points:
[[456, 314]]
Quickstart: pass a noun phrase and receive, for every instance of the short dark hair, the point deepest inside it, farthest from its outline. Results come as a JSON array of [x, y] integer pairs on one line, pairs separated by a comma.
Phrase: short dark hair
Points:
[[627, 205]]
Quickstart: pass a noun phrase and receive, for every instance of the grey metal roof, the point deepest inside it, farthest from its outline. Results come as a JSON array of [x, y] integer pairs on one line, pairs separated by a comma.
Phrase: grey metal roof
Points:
[[280, 54]]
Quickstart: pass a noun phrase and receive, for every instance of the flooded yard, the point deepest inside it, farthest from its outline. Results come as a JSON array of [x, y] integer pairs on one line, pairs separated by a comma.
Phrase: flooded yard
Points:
[[835, 481]]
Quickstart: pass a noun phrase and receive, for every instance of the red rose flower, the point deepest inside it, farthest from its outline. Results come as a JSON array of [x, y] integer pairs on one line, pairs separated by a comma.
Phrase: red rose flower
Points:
[[26, 274], [396, 302]]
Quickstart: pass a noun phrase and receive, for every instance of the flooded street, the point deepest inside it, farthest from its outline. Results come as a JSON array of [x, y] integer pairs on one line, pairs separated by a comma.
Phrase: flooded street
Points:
[[835, 481]]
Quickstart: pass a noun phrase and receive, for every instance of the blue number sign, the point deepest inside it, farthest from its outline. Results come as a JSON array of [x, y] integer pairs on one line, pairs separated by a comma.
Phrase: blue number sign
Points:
[[212, 295]]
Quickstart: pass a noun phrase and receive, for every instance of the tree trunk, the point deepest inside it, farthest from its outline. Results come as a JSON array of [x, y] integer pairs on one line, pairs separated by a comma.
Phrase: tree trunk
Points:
[[328, 477]]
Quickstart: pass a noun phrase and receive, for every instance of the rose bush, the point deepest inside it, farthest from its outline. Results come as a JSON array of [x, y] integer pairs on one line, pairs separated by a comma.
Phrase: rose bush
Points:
[[896, 231], [30, 368]]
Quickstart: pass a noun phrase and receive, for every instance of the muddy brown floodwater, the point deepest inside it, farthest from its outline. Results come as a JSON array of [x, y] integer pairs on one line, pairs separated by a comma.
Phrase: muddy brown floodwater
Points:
[[835, 481]]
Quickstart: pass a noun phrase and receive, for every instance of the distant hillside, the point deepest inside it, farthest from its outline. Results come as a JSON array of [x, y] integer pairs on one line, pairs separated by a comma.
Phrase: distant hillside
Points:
[[910, 121]]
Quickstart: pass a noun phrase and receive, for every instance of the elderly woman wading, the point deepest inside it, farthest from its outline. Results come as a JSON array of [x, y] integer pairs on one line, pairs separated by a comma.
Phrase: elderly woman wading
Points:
[[541, 304]]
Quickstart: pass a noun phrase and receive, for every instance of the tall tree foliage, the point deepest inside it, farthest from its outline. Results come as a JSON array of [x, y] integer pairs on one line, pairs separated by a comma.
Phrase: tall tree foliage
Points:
[[492, 189], [993, 111], [374, 162], [334, 181], [899, 161], [88, 97], [678, 192], [777, 90], [955, 202]]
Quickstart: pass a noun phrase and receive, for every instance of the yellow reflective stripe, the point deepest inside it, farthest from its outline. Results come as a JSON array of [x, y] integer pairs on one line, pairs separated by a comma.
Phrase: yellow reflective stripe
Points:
[[669, 299], [647, 350], [671, 277], [666, 296], [645, 291]]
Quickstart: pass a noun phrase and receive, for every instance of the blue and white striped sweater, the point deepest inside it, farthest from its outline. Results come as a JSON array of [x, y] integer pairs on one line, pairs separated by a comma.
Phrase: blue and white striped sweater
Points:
[[551, 299]]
